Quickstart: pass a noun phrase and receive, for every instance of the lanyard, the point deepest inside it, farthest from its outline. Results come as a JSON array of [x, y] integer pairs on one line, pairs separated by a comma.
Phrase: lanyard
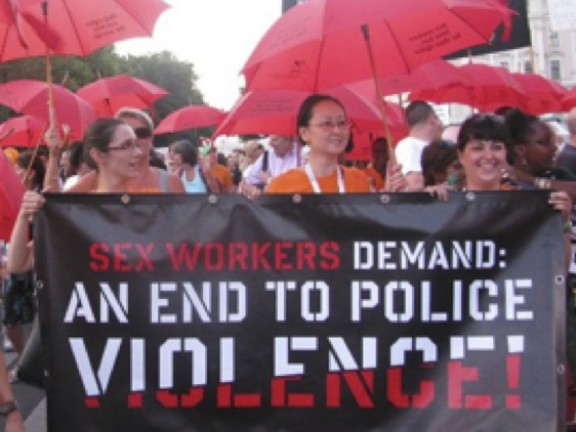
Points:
[[314, 182]]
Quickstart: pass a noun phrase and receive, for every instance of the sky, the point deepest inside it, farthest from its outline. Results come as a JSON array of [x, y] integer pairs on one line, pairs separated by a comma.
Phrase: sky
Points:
[[217, 36]]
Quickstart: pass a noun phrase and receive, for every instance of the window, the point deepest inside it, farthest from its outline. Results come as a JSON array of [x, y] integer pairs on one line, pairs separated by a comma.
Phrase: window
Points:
[[504, 64], [528, 67], [555, 72], [554, 41]]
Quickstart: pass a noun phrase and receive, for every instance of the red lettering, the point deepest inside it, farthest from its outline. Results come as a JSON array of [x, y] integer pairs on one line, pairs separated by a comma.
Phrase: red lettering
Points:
[[214, 256], [306, 255], [99, 260], [258, 256], [145, 261], [281, 398], [329, 251], [281, 261], [397, 396], [238, 256], [183, 256], [120, 258], [457, 375], [361, 384], [226, 398], [170, 399]]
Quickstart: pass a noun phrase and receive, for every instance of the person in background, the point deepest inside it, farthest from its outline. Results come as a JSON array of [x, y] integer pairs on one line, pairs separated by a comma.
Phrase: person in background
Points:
[[424, 126], [283, 155], [252, 151], [77, 165], [440, 165], [376, 170], [566, 158], [220, 172], [183, 156]]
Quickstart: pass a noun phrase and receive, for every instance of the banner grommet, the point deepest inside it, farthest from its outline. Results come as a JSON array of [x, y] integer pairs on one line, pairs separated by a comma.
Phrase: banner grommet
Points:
[[213, 199], [125, 199], [384, 198], [297, 198]]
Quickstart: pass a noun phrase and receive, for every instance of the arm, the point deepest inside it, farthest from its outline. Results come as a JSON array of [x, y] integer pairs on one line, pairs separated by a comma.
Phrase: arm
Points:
[[562, 202], [20, 256], [175, 184], [55, 146]]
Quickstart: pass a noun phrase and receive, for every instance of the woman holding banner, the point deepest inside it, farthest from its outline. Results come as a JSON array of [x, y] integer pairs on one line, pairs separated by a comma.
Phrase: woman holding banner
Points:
[[112, 148]]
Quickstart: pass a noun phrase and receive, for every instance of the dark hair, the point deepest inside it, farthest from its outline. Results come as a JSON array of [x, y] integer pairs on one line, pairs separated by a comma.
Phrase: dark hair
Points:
[[520, 125], [76, 155], [187, 151], [436, 158], [418, 112], [307, 106], [156, 160], [489, 127], [99, 136], [27, 159]]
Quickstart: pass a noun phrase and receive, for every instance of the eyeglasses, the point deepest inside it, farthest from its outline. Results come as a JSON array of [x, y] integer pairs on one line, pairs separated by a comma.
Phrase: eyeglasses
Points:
[[328, 126], [127, 145], [142, 132]]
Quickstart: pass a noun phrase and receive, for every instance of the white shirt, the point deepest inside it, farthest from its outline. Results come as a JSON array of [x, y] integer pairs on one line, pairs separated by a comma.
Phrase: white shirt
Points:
[[276, 165], [408, 153]]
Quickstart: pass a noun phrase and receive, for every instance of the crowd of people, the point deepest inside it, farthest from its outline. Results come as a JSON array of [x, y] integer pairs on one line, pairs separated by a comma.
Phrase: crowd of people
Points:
[[493, 152]]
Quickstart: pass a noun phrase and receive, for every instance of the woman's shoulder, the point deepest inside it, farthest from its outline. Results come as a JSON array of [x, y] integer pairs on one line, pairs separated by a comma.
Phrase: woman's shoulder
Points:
[[291, 181]]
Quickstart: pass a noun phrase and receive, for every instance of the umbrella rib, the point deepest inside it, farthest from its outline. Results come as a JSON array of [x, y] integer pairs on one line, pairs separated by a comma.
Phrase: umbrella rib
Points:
[[468, 23], [398, 46], [74, 27]]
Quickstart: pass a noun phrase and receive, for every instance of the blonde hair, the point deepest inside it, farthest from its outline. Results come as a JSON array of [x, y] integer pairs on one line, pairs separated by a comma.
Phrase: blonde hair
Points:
[[137, 114]]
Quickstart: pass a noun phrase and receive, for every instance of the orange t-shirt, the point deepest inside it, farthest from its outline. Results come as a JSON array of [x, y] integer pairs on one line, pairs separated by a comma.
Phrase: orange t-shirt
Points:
[[374, 177], [223, 175], [296, 181]]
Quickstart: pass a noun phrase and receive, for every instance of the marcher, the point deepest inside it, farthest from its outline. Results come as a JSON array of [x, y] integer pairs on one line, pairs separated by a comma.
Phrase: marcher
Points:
[[183, 156], [424, 126], [324, 127]]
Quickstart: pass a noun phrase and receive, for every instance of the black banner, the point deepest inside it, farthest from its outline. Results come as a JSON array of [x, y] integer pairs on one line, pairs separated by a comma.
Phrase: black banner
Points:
[[319, 313], [517, 35]]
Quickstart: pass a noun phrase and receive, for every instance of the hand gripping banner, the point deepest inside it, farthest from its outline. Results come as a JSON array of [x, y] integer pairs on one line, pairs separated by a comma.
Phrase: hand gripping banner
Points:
[[306, 313]]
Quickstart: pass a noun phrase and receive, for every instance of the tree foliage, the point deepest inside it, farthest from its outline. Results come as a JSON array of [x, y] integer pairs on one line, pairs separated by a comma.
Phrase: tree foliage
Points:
[[163, 69]]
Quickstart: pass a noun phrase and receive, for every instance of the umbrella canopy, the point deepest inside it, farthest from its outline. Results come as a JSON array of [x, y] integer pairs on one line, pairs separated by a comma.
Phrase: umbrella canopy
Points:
[[22, 131], [569, 100], [320, 44], [275, 111], [30, 96], [487, 88], [190, 117], [72, 26], [108, 95], [11, 191], [544, 95]]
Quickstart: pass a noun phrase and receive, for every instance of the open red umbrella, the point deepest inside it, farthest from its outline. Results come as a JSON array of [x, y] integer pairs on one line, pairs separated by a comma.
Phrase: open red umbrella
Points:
[[72, 26], [190, 117], [22, 131], [11, 191], [569, 100], [30, 96], [320, 44], [487, 88], [544, 95], [107, 95], [274, 112]]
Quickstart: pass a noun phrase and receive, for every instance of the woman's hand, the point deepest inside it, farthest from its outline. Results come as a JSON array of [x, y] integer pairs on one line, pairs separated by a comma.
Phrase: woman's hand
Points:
[[395, 180], [561, 201], [31, 203], [439, 191], [53, 140]]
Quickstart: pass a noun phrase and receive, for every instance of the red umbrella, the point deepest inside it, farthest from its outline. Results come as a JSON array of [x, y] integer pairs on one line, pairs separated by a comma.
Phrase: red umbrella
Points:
[[488, 88], [30, 96], [11, 191], [319, 44], [274, 112], [190, 117], [108, 95], [544, 95], [569, 100], [22, 131], [72, 26]]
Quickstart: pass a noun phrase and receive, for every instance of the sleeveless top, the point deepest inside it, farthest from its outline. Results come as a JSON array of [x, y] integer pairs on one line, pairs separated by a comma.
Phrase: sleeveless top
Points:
[[196, 185]]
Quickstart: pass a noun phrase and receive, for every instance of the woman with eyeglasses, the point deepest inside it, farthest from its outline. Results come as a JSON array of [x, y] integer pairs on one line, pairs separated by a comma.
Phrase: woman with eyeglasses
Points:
[[150, 179], [112, 149], [323, 126]]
